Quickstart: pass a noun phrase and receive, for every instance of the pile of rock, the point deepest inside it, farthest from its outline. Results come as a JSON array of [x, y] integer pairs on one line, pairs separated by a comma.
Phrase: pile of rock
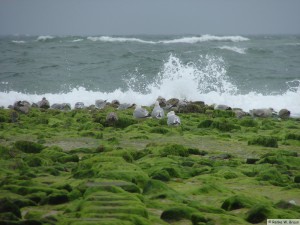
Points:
[[173, 104]]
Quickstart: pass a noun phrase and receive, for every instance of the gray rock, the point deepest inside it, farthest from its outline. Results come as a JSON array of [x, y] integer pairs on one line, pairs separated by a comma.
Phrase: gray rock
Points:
[[124, 106], [173, 102], [284, 114], [112, 118], [162, 101], [62, 106], [34, 105], [115, 103], [44, 104], [222, 107], [263, 113], [22, 106], [239, 113], [79, 105], [100, 104]]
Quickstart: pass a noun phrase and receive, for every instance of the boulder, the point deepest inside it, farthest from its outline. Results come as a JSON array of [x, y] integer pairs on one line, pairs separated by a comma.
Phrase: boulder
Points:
[[62, 106], [124, 106], [44, 104], [284, 114], [22, 106], [115, 103], [263, 113], [173, 102], [79, 105], [190, 107], [222, 107], [162, 101], [111, 118], [100, 104], [239, 113]]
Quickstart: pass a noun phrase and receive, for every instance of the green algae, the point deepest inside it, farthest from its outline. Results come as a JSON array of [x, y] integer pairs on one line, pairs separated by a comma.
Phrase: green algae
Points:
[[72, 167]]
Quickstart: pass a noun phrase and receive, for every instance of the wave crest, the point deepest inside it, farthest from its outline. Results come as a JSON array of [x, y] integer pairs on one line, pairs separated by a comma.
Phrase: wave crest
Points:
[[234, 49], [119, 39], [187, 40], [44, 38]]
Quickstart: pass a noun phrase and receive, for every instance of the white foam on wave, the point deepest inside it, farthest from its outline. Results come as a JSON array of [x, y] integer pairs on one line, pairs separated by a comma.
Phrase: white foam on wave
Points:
[[119, 39], [77, 40], [187, 40], [205, 80], [44, 38], [18, 42], [234, 49], [204, 38]]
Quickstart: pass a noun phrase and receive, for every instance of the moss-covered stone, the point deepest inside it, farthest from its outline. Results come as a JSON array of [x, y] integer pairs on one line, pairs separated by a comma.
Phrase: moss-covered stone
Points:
[[29, 146], [174, 149], [237, 202], [177, 213], [265, 141], [258, 214], [7, 206]]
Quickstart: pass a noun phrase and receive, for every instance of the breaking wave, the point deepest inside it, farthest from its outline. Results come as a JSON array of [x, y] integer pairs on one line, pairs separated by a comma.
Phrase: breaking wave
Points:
[[205, 79], [18, 42], [187, 40], [44, 38], [234, 49]]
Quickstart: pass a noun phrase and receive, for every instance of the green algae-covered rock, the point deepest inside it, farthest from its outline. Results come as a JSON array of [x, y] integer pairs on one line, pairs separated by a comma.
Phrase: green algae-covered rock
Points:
[[258, 214], [29, 146], [174, 149], [265, 141], [7, 205], [237, 202], [177, 213]]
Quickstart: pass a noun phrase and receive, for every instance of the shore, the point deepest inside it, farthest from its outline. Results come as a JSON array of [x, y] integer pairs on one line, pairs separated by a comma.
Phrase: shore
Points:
[[75, 167]]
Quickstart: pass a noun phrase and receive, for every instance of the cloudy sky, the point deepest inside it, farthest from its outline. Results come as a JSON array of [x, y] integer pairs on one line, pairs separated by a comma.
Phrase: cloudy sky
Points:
[[125, 17]]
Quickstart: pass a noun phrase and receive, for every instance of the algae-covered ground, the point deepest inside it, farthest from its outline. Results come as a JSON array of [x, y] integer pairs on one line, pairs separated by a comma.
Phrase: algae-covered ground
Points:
[[72, 167]]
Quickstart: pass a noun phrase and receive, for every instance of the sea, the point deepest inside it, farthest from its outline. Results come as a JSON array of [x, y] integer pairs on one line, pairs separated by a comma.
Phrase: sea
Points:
[[246, 72]]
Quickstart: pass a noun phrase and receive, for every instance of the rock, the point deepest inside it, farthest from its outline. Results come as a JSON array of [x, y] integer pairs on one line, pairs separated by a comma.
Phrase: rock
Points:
[[22, 106], [239, 113], [112, 118], [173, 102], [124, 106], [162, 101], [79, 105], [263, 113], [284, 114], [100, 104], [34, 105], [200, 103], [222, 107], [7, 205], [190, 107], [44, 104], [251, 160], [63, 106], [115, 103]]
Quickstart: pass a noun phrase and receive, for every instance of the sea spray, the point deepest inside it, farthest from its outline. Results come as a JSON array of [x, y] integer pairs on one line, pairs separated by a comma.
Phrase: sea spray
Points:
[[204, 79]]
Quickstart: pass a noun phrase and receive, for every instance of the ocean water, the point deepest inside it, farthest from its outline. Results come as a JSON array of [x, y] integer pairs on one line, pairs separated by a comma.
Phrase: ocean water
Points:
[[241, 71]]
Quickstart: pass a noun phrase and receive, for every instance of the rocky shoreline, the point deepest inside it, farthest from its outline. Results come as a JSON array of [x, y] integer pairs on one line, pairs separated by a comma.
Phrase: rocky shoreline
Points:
[[102, 164], [173, 104]]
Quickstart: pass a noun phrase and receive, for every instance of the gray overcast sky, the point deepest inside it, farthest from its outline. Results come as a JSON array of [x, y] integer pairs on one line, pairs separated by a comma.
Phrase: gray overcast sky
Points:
[[123, 17]]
